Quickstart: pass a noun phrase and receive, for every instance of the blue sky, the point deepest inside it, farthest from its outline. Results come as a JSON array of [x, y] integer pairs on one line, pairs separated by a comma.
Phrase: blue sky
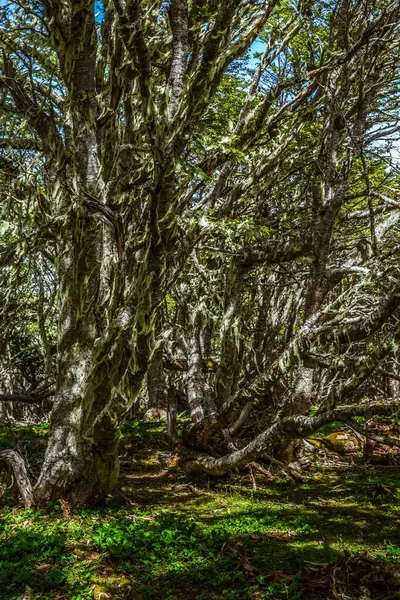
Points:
[[257, 46]]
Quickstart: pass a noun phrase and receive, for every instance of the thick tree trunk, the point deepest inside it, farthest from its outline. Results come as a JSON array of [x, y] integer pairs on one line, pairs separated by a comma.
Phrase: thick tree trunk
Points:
[[81, 462]]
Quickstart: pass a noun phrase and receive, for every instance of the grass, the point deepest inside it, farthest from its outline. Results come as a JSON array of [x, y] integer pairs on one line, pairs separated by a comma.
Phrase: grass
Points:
[[215, 538]]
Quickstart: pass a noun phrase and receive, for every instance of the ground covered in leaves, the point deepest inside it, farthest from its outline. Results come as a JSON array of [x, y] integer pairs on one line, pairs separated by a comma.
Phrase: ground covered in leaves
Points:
[[161, 536]]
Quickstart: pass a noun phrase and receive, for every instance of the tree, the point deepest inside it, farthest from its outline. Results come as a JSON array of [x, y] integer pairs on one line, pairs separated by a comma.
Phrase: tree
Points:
[[304, 319], [115, 172]]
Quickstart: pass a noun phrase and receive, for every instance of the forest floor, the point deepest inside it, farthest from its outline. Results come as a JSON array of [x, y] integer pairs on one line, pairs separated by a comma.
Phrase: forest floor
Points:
[[162, 537]]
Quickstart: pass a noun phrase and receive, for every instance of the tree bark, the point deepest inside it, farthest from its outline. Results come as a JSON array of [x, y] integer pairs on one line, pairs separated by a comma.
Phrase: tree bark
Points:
[[288, 429], [15, 464]]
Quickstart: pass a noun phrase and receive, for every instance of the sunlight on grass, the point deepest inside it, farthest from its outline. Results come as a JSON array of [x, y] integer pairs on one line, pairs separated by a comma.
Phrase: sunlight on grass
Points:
[[170, 544]]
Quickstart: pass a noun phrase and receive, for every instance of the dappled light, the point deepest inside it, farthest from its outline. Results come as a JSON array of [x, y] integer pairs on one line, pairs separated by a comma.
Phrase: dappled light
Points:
[[161, 535], [199, 299]]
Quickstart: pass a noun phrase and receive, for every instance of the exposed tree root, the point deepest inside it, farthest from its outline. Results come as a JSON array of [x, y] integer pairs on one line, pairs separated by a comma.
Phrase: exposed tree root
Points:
[[257, 467], [289, 470], [289, 428], [12, 463]]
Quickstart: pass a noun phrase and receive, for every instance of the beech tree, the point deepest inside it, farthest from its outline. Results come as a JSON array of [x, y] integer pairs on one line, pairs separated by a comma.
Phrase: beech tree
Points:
[[121, 171], [303, 301]]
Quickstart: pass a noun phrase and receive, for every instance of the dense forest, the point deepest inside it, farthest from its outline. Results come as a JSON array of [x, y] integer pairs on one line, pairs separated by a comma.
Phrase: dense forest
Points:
[[199, 258]]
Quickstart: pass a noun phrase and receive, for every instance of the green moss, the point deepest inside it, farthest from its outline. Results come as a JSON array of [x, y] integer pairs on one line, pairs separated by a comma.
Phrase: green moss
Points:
[[341, 442]]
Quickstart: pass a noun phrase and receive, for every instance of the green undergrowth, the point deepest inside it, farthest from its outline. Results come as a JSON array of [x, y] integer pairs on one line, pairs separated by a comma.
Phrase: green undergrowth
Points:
[[164, 537]]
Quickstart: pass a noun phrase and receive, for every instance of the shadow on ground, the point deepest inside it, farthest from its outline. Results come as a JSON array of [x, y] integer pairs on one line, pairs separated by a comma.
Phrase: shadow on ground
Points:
[[164, 537]]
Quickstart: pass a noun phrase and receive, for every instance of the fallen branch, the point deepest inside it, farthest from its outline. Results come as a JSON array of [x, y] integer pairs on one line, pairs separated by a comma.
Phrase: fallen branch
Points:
[[260, 469], [253, 479]]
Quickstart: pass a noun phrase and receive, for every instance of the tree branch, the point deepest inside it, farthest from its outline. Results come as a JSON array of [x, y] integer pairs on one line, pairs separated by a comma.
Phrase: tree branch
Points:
[[32, 398], [287, 429]]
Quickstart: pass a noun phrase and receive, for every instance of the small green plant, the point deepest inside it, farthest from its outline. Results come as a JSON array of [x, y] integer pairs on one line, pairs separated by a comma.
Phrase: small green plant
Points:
[[393, 552], [171, 544], [286, 588]]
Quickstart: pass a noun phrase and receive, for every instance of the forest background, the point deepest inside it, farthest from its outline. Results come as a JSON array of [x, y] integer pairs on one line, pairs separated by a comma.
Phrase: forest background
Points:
[[199, 215]]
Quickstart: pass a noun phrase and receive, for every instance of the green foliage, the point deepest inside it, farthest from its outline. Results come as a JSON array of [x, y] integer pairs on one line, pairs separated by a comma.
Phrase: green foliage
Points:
[[327, 429], [393, 553], [173, 548]]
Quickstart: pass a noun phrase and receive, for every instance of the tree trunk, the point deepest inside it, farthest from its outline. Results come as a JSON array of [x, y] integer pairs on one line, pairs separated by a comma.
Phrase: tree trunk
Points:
[[171, 417], [81, 463], [195, 380], [156, 384]]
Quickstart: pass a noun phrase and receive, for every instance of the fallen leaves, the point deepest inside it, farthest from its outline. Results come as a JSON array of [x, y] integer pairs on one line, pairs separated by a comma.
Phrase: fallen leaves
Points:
[[354, 572], [333, 578]]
